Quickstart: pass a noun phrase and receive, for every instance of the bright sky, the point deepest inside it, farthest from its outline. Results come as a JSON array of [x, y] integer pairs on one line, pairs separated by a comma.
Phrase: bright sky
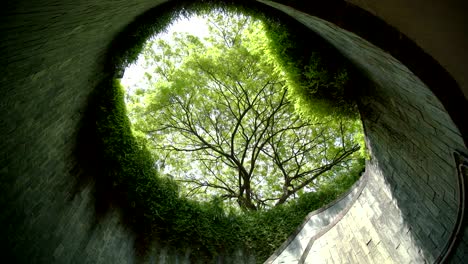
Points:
[[195, 25]]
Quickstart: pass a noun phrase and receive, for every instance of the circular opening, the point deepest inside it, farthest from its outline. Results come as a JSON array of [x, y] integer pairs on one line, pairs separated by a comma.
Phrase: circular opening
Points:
[[225, 118], [158, 209], [154, 202]]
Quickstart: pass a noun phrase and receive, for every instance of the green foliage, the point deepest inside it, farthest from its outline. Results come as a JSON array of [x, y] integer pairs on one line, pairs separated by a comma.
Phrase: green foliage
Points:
[[319, 88], [215, 112], [152, 203]]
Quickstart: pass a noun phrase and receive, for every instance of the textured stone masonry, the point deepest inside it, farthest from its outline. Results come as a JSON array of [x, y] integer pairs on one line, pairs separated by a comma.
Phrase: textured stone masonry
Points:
[[315, 224], [52, 54], [413, 178]]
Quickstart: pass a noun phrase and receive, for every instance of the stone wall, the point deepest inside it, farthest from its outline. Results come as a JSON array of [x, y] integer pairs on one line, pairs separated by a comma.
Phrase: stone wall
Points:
[[432, 25], [317, 223], [52, 55], [409, 209]]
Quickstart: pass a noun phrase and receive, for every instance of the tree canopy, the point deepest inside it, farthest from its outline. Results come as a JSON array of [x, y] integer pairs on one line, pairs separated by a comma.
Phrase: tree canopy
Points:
[[218, 116]]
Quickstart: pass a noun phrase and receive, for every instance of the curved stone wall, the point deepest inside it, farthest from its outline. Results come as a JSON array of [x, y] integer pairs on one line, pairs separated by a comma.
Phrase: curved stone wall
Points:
[[409, 210], [317, 223], [432, 25], [52, 55]]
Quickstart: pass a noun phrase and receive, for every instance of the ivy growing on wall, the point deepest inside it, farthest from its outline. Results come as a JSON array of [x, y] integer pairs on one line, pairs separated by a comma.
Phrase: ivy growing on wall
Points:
[[152, 203]]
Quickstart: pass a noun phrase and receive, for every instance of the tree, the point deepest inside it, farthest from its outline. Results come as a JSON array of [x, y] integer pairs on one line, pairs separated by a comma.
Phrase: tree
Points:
[[218, 118]]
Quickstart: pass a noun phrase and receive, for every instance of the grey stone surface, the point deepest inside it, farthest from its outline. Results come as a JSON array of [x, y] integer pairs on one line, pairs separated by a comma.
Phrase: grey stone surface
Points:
[[433, 25], [51, 54], [413, 177], [315, 223]]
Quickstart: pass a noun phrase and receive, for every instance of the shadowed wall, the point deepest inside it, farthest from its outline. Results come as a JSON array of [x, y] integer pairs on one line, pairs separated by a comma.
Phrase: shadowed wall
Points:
[[52, 55]]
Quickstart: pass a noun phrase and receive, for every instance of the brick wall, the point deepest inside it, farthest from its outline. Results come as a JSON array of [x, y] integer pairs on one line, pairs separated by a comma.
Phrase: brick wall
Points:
[[297, 247], [409, 208], [52, 54]]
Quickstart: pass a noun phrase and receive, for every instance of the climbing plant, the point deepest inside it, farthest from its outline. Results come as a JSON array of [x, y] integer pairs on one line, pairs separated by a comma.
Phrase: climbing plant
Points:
[[151, 201], [217, 114]]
